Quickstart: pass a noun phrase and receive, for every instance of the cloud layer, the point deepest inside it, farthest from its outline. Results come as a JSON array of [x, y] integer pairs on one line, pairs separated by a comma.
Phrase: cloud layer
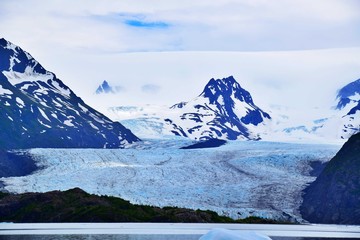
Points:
[[150, 88], [241, 25], [86, 41]]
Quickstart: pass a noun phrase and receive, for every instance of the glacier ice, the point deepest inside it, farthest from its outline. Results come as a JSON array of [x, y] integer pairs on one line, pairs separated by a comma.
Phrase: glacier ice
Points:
[[239, 179]]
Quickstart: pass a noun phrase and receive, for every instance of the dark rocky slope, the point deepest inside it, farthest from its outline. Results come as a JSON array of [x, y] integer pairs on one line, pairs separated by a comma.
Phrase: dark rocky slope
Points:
[[15, 163], [334, 197], [210, 143], [75, 205]]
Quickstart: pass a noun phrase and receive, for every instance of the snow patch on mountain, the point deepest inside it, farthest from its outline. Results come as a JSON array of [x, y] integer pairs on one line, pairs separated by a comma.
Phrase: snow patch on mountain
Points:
[[29, 76]]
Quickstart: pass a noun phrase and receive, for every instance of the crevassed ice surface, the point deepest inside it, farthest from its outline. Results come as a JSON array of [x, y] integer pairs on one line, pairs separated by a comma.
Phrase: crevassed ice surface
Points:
[[239, 179]]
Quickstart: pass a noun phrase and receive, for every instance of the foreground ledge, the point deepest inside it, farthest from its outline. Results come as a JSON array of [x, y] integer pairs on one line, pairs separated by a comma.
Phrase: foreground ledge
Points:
[[311, 230]]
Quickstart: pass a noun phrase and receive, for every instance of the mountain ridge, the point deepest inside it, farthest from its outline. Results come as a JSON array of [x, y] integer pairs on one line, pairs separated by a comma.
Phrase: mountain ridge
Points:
[[334, 196], [39, 110], [223, 110], [346, 92], [334, 125]]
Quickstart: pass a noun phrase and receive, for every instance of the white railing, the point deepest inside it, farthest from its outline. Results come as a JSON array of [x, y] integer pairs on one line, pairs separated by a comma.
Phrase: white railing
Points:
[[311, 230]]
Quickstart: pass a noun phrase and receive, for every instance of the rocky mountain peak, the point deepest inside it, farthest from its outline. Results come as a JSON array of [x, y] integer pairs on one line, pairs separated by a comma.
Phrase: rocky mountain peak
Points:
[[223, 110], [227, 88], [14, 59], [347, 93], [104, 88]]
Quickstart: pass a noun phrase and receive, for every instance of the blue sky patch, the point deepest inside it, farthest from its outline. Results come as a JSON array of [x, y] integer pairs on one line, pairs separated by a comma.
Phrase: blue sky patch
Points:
[[144, 24]]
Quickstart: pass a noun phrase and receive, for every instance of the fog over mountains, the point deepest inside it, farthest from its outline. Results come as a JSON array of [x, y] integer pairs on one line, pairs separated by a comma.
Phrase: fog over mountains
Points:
[[225, 110]]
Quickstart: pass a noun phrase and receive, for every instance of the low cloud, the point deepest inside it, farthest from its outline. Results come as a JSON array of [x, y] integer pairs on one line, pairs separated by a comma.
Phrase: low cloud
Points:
[[119, 89], [150, 88]]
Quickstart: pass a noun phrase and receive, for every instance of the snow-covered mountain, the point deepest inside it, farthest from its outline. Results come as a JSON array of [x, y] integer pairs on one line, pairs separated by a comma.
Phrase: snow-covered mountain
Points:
[[334, 124], [349, 108], [38, 110], [223, 110], [349, 94], [105, 87]]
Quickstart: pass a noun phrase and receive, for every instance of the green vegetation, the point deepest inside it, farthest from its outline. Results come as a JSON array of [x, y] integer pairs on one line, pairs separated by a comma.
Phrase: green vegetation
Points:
[[3, 194], [75, 205]]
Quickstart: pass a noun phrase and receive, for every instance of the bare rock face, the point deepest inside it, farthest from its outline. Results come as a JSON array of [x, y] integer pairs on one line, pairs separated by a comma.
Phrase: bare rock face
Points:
[[334, 197]]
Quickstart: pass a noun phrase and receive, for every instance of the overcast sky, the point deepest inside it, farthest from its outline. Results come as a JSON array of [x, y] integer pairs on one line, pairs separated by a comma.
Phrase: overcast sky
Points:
[[162, 25], [88, 41]]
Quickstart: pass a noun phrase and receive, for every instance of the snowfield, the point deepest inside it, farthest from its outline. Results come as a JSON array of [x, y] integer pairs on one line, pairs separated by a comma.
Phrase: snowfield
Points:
[[239, 179]]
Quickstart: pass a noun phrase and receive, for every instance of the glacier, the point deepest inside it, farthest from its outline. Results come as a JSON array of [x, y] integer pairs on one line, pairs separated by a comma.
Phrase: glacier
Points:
[[238, 179]]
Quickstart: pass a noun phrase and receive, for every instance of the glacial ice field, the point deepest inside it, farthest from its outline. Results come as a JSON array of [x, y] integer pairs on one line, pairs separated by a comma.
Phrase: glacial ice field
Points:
[[238, 179]]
